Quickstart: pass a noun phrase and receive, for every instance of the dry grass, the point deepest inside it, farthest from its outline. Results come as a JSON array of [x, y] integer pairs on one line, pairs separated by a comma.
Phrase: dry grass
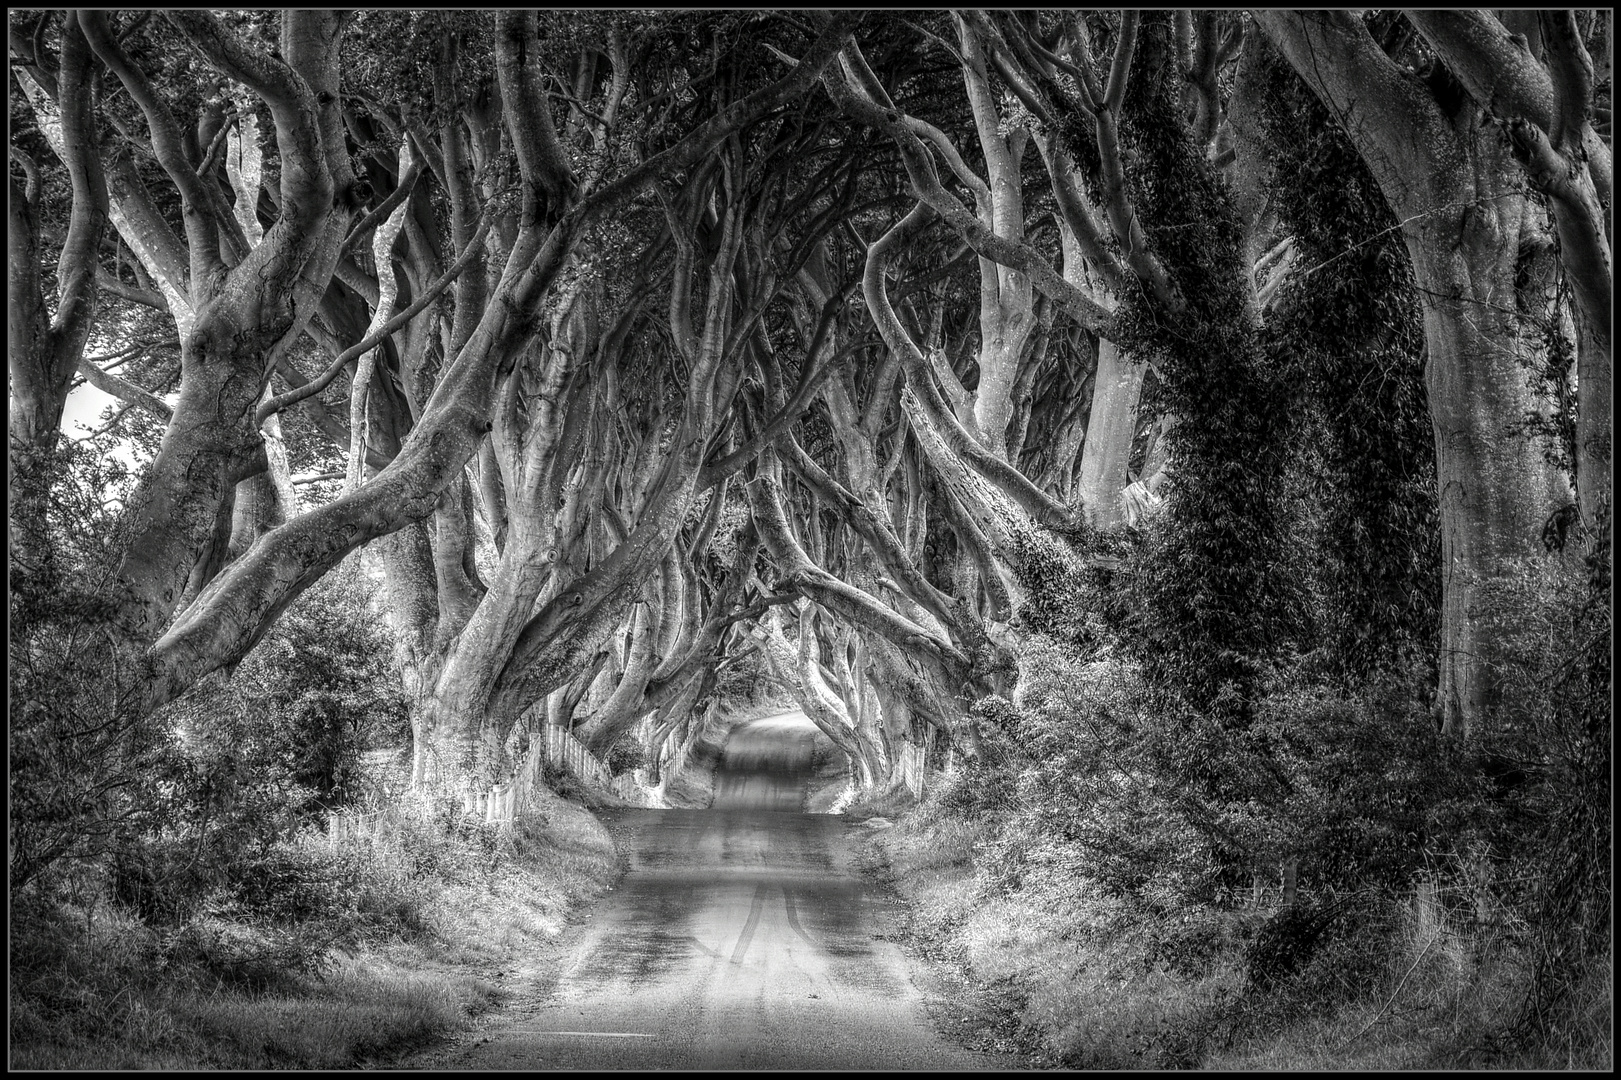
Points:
[[1079, 1004], [933, 868], [1446, 991], [1090, 1005], [364, 1006], [94, 988]]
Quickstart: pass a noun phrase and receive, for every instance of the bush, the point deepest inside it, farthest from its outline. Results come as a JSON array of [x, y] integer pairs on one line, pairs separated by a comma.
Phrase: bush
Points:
[[985, 783], [1553, 729], [162, 882], [86, 770], [1099, 770], [625, 756], [290, 885], [279, 741], [564, 783], [1371, 796]]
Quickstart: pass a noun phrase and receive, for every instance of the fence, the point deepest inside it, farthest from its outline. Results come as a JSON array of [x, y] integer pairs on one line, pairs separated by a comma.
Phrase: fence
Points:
[[345, 826], [562, 748]]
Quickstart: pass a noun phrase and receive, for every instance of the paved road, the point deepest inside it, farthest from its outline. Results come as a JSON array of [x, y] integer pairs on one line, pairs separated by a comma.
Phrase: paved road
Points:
[[742, 937]]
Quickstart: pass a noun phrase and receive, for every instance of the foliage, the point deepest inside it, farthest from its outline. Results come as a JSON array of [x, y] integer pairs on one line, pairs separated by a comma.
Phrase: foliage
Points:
[[1156, 835], [625, 756], [559, 779], [252, 980], [981, 784], [1171, 811], [87, 769], [1066, 600], [1091, 810], [279, 742], [183, 807], [1213, 601], [746, 682], [1350, 335], [1372, 795], [1552, 731]]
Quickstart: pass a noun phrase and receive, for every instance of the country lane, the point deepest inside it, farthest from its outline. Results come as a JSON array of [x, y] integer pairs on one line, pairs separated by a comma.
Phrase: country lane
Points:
[[741, 937]]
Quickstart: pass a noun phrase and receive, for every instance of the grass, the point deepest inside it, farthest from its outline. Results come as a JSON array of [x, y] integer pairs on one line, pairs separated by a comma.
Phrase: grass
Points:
[[93, 987], [1072, 1003], [888, 803], [102, 1015], [1440, 1003], [1407, 987]]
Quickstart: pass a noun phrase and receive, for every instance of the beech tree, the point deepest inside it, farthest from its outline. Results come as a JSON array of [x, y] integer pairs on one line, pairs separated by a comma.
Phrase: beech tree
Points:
[[240, 308], [1518, 110], [632, 345], [45, 346]]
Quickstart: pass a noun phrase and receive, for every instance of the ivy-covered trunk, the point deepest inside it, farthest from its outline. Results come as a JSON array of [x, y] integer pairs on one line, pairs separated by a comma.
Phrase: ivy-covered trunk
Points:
[[1450, 179], [1220, 600], [1350, 331]]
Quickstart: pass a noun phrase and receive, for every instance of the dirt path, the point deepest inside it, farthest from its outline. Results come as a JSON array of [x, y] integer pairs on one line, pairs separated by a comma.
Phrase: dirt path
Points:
[[741, 937]]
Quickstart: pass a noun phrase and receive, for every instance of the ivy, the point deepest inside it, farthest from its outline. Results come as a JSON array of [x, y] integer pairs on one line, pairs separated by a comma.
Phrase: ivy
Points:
[[1350, 335], [1217, 600]]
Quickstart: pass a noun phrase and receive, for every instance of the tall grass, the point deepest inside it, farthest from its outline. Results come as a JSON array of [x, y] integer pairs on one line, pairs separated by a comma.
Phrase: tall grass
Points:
[[1426, 980], [93, 986]]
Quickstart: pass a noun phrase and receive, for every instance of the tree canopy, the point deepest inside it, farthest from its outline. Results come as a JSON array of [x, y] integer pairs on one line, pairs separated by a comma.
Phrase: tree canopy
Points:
[[856, 350]]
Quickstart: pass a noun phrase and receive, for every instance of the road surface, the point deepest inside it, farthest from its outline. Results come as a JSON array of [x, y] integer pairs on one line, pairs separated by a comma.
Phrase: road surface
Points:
[[741, 937]]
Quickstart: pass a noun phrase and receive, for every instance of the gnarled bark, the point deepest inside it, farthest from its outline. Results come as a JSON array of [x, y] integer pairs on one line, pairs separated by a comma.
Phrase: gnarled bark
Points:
[[1457, 192]]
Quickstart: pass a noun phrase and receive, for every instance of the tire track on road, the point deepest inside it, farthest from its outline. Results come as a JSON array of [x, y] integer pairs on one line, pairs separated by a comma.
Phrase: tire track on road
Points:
[[748, 927]]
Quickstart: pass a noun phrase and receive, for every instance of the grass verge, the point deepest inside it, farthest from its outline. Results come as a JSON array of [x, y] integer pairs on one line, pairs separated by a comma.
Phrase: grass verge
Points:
[[1052, 969], [427, 929]]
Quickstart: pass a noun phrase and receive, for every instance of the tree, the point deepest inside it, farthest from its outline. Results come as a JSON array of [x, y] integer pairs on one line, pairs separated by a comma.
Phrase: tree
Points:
[[240, 307], [46, 347], [623, 330], [1465, 229]]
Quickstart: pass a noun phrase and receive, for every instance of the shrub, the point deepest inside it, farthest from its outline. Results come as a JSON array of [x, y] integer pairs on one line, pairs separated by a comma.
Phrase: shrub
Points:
[[564, 783], [279, 741], [1370, 794], [625, 756], [1554, 729], [975, 785]]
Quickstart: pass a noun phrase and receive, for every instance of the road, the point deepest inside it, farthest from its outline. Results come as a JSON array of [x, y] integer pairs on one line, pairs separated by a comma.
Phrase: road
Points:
[[741, 937]]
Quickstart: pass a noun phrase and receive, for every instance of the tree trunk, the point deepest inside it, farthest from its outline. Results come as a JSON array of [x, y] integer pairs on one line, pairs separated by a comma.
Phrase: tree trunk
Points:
[[1594, 432], [1492, 478], [1449, 177], [45, 348], [1106, 454]]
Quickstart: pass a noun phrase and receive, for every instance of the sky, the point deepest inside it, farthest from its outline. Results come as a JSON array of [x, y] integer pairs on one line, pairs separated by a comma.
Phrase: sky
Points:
[[83, 410], [82, 415]]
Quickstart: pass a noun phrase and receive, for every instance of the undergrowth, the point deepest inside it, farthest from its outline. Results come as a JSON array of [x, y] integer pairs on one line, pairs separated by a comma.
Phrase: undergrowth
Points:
[[1378, 898], [309, 955], [1402, 982]]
